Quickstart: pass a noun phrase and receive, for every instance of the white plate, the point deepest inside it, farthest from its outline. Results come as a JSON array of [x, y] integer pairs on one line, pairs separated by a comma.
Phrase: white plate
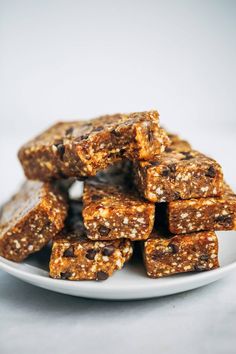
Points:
[[129, 283]]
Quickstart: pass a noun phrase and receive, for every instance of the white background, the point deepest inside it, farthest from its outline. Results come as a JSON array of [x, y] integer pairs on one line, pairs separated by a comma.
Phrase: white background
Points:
[[79, 59]]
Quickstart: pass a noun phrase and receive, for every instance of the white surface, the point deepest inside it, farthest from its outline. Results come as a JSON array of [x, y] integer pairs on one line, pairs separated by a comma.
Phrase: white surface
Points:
[[129, 284], [64, 59], [68, 58]]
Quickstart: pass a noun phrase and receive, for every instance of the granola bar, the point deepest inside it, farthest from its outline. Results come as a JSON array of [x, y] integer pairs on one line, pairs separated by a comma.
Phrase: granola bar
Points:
[[80, 149], [75, 257], [213, 213], [112, 209], [178, 173], [30, 219], [166, 254]]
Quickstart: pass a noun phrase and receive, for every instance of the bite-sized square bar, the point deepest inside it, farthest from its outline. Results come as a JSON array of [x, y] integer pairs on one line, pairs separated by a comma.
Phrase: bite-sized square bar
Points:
[[82, 148], [30, 219], [113, 209], [213, 213], [166, 254], [178, 173], [75, 257]]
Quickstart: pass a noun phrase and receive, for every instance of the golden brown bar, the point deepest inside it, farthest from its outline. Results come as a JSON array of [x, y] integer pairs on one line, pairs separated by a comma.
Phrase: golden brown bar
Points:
[[75, 257], [80, 149], [30, 219], [213, 213], [112, 209], [166, 254], [178, 173]]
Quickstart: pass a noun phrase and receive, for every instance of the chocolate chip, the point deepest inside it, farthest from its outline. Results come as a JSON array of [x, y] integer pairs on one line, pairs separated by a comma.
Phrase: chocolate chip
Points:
[[224, 219], [172, 167], [168, 170], [108, 250], [204, 257], [165, 172], [60, 149], [176, 195], [66, 275], [168, 149], [187, 155], [116, 133], [154, 163], [103, 230], [185, 152], [156, 254], [199, 267], [150, 135], [97, 129], [85, 136], [82, 137], [102, 275], [69, 252], [211, 172], [96, 197], [122, 242], [174, 248], [91, 253], [69, 131]]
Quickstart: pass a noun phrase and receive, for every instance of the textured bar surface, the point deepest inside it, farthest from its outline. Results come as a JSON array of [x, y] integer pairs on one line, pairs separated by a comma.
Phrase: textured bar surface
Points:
[[178, 173], [30, 219], [81, 149], [195, 252], [213, 213], [112, 209], [75, 257], [177, 143]]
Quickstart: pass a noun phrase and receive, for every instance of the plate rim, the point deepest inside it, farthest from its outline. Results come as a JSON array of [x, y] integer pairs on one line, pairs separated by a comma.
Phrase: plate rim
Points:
[[11, 268], [131, 288]]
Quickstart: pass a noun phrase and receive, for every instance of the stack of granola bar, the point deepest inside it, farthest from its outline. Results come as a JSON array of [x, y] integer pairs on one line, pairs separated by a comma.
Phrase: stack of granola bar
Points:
[[141, 184]]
